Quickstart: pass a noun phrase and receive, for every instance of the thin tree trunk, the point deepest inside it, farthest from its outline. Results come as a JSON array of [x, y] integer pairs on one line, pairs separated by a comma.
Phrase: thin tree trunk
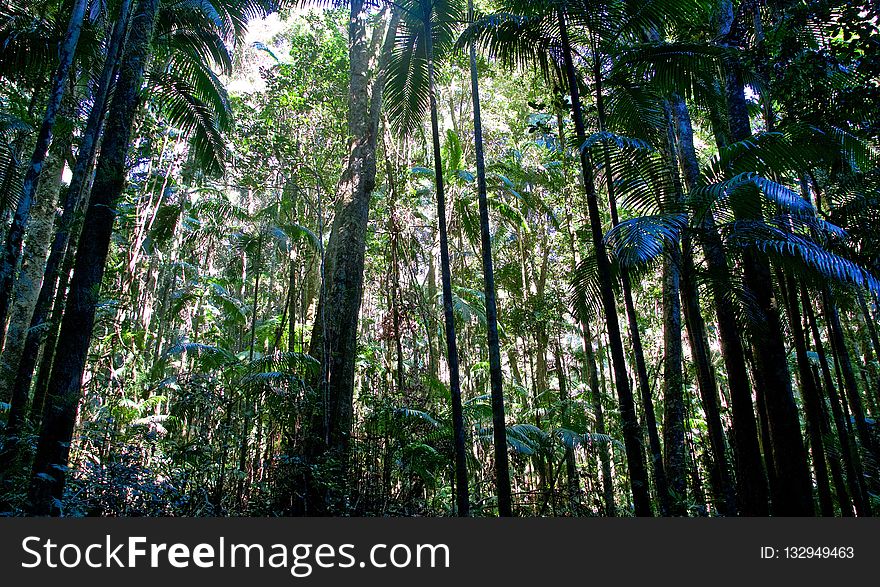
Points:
[[811, 397], [725, 495], [502, 474], [658, 466], [631, 428], [446, 286], [27, 290], [851, 462], [792, 474], [589, 370], [59, 418], [673, 393], [751, 482], [592, 376], [27, 286], [15, 236], [573, 491], [60, 243], [841, 352]]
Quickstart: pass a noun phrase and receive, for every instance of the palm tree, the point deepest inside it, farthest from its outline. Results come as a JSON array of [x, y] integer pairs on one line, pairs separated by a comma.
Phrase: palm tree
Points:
[[188, 95], [15, 236], [26, 363], [792, 239], [426, 32], [751, 480], [631, 428], [794, 493], [63, 390], [528, 32], [674, 70], [495, 375]]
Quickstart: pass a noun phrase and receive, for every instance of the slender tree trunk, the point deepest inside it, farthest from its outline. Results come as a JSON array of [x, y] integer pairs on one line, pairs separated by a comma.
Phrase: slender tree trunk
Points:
[[631, 428], [592, 376], [502, 473], [27, 287], [655, 448], [76, 193], [395, 294], [589, 371], [850, 386], [751, 482], [59, 418], [673, 377], [810, 394], [573, 491], [41, 384], [852, 464], [446, 286], [673, 393], [792, 474], [725, 495], [15, 236]]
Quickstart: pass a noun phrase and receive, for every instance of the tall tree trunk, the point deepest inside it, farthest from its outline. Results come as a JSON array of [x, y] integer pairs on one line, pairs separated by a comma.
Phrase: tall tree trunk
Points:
[[11, 253], [394, 235], [33, 264], [502, 473], [850, 387], [76, 193], [655, 448], [854, 475], [446, 287], [751, 482], [673, 383], [59, 417], [589, 370], [592, 375], [334, 335], [631, 429], [674, 463], [725, 495], [790, 457], [811, 397], [27, 290]]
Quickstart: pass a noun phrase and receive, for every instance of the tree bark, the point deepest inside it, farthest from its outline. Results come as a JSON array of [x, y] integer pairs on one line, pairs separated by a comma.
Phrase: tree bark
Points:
[[334, 335], [810, 394], [751, 482], [73, 201], [502, 473], [655, 448], [631, 428], [33, 264], [850, 387], [854, 475], [59, 417], [15, 236], [795, 489], [682, 262]]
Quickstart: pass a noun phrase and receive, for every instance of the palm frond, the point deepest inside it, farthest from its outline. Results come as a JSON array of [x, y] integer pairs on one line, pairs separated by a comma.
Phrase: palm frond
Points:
[[179, 103], [800, 252], [636, 243]]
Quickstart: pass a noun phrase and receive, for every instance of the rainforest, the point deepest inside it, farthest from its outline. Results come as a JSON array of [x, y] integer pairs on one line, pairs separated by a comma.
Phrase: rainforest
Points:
[[439, 258]]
